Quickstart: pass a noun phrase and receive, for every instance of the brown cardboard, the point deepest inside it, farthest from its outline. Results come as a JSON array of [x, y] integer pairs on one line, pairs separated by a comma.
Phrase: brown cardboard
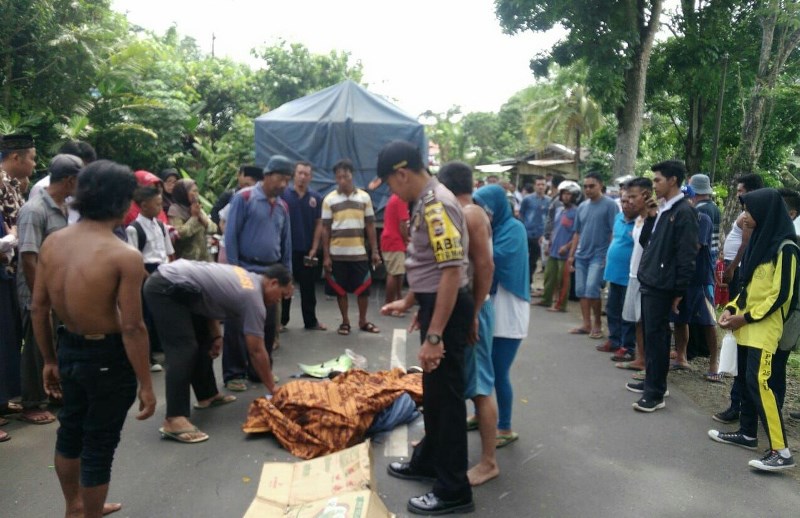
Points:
[[330, 485]]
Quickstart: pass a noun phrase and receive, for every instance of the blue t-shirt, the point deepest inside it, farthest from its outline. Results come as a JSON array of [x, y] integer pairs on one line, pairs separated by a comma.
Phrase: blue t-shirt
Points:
[[618, 259], [563, 230], [533, 213], [303, 213], [595, 224]]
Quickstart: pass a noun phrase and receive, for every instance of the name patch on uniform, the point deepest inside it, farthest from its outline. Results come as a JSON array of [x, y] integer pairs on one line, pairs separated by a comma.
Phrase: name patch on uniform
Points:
[[443, 234], [244, 280]]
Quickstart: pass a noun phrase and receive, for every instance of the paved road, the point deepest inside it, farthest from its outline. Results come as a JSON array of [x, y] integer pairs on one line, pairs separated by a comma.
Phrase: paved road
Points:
[[583, 451]]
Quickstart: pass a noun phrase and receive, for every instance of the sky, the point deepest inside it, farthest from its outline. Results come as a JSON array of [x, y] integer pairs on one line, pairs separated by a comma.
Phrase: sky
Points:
[[420, 54]]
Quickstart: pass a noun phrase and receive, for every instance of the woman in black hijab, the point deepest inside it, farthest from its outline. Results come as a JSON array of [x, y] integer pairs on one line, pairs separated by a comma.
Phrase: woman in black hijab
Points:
[[768, 273], [170, 177]]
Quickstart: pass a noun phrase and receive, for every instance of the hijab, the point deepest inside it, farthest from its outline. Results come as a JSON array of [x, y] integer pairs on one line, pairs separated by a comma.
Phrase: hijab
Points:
[[509, 242], [180, 207], [773, 226]]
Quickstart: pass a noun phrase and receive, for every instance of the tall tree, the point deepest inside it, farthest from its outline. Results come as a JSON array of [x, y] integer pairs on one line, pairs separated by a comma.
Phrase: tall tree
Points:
[[615, 40]]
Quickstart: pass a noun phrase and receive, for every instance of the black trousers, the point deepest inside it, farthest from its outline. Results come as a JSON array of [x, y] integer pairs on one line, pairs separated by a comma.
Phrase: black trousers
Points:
[[763, 394], [186, 340], [235, 358], [306, 278], [443, 451], [534, 254], [656, 306]]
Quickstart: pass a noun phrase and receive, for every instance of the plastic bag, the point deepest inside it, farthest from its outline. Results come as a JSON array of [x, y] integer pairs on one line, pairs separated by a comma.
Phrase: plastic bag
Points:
[[728, 361]]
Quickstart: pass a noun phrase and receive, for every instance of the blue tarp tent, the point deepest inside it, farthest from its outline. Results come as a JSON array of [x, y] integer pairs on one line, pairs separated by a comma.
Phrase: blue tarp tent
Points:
[[342, 121]]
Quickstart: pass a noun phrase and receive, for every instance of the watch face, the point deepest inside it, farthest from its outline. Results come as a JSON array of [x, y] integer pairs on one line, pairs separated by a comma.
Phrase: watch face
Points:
[[434, 339]]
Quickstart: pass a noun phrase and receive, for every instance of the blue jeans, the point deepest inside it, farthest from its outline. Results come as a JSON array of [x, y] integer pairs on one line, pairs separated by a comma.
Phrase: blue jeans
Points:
[[621, 333], [589, 277], [99, 387]]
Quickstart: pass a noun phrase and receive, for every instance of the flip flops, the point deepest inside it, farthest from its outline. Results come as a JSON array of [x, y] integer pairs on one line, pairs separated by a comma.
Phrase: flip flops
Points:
[[714, 377], [180, 436], [675, 366], [627, 365], [579, 331], [503, 440], [639, 376], [344, 329], [30, 417], [224, 400], [596, 334], [236, 385], [472, 423]]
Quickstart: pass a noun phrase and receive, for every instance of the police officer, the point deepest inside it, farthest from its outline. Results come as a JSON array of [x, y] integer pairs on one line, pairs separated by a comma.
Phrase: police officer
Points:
[[437, 276]]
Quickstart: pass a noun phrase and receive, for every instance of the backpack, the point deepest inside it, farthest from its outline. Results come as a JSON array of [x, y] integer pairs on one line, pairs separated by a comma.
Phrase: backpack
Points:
[[141, 237], [791, 321]]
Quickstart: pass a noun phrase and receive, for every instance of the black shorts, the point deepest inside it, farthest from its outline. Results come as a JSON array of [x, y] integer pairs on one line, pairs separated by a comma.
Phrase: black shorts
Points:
[[348, 277], [99, 387]]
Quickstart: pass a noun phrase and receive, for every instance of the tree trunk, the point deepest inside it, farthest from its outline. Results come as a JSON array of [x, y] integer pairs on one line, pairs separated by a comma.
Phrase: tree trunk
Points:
[[694, 134], [629, 115], [578, 152]]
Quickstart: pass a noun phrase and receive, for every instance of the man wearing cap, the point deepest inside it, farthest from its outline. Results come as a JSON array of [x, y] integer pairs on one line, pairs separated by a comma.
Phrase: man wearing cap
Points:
[[701, 185], [305, 214], [17, 161], [347, 214], [437, 276], [257, 235], [38, 218]]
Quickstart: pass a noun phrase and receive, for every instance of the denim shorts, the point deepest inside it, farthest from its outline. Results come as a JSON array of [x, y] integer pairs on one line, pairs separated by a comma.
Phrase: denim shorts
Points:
[[589, 277], [99, 387]]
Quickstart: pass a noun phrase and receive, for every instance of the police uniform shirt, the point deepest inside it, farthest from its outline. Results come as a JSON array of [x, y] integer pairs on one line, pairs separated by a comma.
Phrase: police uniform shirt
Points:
[[438, 239]]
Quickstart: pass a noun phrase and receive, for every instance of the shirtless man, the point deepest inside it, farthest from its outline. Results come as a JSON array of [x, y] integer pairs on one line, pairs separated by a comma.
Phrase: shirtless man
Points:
[[92, 281], [478, 372]]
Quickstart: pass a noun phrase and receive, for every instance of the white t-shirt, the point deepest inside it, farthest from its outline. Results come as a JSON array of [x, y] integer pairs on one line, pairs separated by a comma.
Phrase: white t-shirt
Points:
[[511, 314], [797, 225], [636, 255], [732, 242]]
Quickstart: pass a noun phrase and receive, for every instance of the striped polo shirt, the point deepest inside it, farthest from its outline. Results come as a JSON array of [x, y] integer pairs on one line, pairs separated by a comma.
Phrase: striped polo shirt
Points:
[[347, 217]]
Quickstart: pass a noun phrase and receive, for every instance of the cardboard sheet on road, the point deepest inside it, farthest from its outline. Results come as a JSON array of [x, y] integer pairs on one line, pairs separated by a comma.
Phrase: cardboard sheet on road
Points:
[[340, 484]]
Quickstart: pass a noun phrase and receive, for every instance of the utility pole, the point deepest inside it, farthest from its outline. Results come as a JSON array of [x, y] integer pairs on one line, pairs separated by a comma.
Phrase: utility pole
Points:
[[213, 42], [720, 99]]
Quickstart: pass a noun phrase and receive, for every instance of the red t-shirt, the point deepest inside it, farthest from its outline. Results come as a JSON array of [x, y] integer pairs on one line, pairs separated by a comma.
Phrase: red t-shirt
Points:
[[395, 212]]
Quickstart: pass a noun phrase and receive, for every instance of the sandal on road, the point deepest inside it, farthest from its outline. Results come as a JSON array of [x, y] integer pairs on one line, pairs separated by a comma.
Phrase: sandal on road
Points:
[[596, 334], [628, 366], [184, 436], [505, 439], [369, 327], [4, 436], [217, 401], [472, 423], [344, 329], [579, 331], [236, 385], [37, 417], [714, 377]]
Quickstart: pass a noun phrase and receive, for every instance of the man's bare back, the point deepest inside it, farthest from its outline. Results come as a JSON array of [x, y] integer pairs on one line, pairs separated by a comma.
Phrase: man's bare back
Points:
[[86, 270]]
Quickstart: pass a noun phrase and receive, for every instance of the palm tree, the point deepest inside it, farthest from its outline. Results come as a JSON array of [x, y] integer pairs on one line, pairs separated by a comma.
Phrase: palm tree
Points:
[[571, 111]]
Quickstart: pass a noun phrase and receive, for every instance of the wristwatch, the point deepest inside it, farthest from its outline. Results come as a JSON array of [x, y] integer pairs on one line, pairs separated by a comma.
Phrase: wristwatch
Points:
[[433, 339]]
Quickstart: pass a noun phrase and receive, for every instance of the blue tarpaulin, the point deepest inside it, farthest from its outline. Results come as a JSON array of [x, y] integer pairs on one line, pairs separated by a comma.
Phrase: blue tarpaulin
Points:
[[341, 121]]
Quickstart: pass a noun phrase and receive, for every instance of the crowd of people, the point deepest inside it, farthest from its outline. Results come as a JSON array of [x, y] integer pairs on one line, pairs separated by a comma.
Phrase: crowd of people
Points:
[[468, 251]]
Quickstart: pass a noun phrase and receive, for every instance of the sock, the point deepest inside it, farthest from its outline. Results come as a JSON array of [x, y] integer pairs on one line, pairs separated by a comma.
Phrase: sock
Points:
[[785, 453]]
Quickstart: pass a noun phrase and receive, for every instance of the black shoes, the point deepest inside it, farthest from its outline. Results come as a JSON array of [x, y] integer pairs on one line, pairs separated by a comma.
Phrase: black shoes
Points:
[[638, 387], [403, 470], [772, 461], [431, 505], [735, 438], [648, 405], [726, 416]]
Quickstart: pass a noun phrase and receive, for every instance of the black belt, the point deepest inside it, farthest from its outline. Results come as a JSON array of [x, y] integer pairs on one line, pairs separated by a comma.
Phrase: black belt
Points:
[[251, 260]]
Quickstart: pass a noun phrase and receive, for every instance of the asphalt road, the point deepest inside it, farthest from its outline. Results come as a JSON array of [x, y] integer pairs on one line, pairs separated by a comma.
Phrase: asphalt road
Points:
[[583, 451]]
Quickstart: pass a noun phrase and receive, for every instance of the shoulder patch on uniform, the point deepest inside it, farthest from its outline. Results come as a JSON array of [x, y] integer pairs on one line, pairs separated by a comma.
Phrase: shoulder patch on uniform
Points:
[[429, 197], [444, 236]]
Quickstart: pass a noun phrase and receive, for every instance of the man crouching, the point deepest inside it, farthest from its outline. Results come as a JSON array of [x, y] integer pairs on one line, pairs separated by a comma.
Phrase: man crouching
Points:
[[92, 281]]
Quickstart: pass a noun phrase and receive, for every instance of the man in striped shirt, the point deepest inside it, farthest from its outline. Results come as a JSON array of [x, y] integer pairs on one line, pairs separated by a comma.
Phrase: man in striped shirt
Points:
[[347, 214]]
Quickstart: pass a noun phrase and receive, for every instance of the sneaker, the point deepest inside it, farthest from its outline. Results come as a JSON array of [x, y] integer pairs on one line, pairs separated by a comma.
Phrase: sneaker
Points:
[[726, 416], [735, 438], [648, 405], [639, 388], [156, 367], [772, 461]]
